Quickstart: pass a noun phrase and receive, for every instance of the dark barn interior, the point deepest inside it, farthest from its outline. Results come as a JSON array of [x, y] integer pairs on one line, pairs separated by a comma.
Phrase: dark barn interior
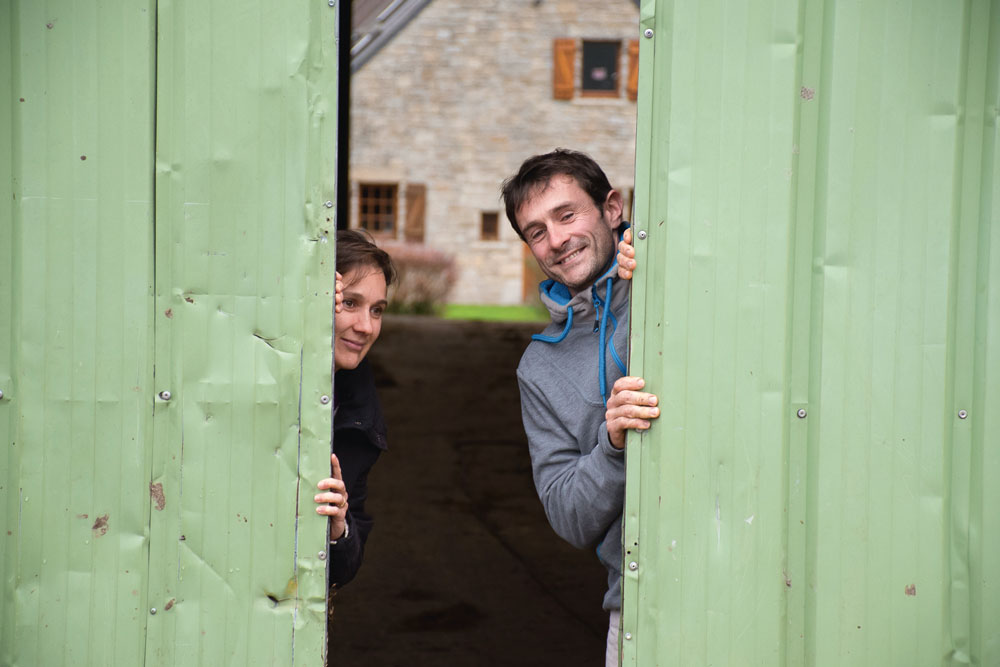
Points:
[[462, 567]]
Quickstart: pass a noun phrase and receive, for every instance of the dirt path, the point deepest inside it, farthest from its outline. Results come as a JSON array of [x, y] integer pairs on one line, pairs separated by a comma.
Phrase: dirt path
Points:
[[462, 567]]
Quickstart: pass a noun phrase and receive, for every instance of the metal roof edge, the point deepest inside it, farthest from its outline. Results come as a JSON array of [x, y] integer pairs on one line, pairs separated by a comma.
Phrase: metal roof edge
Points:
[[399, 15]]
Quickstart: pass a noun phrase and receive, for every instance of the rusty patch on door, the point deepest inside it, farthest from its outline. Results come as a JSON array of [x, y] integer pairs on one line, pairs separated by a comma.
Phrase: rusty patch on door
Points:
[[156, 493]]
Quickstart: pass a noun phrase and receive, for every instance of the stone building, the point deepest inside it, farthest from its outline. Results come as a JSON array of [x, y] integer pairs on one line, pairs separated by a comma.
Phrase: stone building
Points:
[[448, 97]]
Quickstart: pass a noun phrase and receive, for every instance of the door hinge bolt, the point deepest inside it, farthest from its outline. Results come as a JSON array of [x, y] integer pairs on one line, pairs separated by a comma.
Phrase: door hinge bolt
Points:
[[152, 612], [633, 566], [328, 204], [165, 395], [801, 413], [648, 33], [321, 555], [628, 635], [324, 399], [962, 414], [642, 234]]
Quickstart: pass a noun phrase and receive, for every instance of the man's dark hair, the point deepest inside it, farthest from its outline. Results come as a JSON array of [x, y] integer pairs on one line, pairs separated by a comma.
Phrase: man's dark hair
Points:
[[537, 171], [355, 248]]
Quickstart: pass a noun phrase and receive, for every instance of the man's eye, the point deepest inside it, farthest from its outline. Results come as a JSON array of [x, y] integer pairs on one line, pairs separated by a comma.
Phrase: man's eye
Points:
[[568, 215], [535, 234], [349, 303]]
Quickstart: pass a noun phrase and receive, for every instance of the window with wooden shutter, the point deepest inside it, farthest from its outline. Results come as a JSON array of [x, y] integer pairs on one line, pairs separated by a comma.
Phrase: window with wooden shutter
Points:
[[633, 70], [416, 206], [563, 69]]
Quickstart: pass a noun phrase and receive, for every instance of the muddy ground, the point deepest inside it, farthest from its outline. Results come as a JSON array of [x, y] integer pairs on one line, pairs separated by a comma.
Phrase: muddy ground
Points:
[[462, 567]]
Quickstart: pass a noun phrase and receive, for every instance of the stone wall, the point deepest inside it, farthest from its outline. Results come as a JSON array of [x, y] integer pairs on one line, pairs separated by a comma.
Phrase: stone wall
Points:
[[461, 96]]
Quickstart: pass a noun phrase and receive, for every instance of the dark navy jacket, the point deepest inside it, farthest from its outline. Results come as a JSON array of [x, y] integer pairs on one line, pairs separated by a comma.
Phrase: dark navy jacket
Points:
[[358, 439]]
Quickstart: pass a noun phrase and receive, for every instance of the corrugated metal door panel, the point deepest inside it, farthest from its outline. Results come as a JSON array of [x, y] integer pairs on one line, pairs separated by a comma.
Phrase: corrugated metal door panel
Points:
[[705, 502], [974, 352], [8, 424], [817, 307], [984, 542], [243, 320], [8, 474], [76, 351]]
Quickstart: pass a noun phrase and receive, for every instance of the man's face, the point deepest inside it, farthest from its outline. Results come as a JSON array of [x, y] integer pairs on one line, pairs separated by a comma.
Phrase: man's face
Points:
[[572, 239], [360, 322]]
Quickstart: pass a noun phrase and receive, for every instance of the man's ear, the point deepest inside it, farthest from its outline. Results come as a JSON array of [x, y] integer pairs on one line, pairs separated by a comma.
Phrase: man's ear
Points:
[[614, 205]]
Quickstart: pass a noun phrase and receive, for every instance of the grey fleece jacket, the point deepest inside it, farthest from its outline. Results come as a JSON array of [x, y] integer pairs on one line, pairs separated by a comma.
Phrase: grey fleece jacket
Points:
[[579, 476]]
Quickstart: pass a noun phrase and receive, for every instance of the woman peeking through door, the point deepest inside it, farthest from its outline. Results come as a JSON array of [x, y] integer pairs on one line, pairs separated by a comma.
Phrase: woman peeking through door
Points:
[[364, 273]]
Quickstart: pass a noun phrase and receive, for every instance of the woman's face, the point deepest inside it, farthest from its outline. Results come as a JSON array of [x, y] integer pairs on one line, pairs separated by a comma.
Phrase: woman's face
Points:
[[358, 325]]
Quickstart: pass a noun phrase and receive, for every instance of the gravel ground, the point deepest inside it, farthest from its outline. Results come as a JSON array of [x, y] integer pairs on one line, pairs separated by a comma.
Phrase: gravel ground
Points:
[[462, 567]]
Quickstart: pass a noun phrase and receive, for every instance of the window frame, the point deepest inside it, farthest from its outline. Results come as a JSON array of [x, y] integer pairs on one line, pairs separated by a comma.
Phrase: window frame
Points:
[[615, 75], [495, 234], [364, 217]]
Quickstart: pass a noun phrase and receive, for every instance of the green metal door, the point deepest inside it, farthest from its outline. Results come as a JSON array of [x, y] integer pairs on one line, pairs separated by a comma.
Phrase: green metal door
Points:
[[818, 308], [165, 330], [75, 330]]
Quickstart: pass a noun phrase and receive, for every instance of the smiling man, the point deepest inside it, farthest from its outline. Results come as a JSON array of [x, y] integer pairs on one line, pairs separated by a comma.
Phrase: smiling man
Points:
[[562, 205]]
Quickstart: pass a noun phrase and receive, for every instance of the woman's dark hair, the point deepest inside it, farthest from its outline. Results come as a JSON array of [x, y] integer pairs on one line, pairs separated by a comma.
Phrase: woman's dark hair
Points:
[[537, 171], [356, 248]]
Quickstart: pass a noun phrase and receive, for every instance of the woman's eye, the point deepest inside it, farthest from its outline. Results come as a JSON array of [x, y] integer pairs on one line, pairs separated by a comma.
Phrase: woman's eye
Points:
[[348, 303], [377, 312]]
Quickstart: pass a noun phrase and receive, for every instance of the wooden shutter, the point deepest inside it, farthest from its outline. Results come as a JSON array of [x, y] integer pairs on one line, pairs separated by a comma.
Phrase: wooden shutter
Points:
[[633, 70], [416, 205], [563, 59]]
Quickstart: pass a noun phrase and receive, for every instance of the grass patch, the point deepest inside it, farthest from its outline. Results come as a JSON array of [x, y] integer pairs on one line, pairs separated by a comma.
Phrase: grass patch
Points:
[[454, 311]]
